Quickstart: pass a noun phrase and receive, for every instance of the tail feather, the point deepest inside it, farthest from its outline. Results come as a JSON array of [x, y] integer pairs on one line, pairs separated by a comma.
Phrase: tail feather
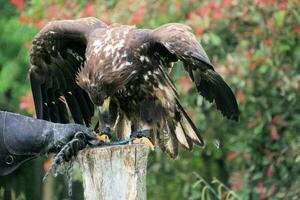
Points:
[[184, 130], [167, 140], [182, 137], [155, 137], [191, 132], [189, 127]]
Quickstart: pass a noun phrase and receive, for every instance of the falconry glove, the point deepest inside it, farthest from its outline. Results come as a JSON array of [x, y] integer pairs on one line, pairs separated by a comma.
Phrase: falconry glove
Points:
[[23, 138]]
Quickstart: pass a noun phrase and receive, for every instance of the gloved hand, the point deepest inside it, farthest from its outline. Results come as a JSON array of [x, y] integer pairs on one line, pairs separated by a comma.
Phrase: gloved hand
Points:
[[64, 133], [24, 138]]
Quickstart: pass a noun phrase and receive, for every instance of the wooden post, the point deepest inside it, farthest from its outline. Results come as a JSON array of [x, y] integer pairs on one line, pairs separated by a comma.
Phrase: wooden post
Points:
[[114, 172]]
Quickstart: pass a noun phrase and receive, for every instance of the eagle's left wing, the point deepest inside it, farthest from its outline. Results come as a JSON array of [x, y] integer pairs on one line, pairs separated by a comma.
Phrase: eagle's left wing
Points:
[[176, 41], [57, 55]]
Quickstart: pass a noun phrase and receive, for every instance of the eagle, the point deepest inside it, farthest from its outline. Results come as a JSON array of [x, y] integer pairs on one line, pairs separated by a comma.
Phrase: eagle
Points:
[[82, 63]]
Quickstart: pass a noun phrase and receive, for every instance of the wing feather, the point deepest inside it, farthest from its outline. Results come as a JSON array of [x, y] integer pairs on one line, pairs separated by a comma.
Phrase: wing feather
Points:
[[57, 55], [179, 41], [45, 103], [84, 108], [54, 114], [74, 107], [63, 112], [167, 139]]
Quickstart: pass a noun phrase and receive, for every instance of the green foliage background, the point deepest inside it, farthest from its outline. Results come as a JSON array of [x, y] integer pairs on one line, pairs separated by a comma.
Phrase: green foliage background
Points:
[[253, 44]]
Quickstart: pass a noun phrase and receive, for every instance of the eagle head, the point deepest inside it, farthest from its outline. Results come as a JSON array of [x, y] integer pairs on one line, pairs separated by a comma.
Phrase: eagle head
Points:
[[98, 97], [98, 91]]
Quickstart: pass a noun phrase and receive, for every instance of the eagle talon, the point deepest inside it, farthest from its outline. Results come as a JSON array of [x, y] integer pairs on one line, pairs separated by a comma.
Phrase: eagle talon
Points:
[[105, 135], [144, 140], [103, 138], [142, 137]]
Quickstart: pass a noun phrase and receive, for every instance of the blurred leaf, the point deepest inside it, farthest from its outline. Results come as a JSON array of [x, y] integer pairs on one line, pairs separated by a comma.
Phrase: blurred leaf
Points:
[[8, 74], [279, 17], [257, 176]]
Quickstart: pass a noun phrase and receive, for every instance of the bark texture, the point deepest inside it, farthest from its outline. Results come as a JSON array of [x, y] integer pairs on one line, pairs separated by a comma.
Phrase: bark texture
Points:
[[114, 172]]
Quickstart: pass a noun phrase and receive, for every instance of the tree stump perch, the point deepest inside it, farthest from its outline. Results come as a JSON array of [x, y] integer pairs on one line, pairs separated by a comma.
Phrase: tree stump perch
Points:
[[114, 172]]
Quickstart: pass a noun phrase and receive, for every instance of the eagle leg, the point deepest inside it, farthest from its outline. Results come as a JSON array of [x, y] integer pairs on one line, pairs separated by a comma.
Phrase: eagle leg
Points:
[[104, 122], [137, 137], [142, 137]]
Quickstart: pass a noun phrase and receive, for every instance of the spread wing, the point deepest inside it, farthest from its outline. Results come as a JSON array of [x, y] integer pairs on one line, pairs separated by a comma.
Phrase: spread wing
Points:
[[176, 41], [57, 54]]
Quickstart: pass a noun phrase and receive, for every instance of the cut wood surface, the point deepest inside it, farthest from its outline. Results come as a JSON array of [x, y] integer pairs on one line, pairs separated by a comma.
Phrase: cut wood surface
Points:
[[114, 172]]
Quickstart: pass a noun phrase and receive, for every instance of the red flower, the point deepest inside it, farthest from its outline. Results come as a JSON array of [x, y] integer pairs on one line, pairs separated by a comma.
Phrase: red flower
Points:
[[268, 42], [252, 65], [53, 11], [106, 14], [237, 180], [261, 3], [232, 155], [191, 15], [261, 188], [138, 16], [237, 185], [216, 6], [199, 31], [205, 10], [20, 4], [274, 133], [246, 157], [211, 4], [218, 14], [279, 120], [89, 9], [296, 30], [24, 19], [227, 3], [258, 115], [185, 82], [249, 54], [163, 8], [178, 7], [36, 22], [270, 171], [28, 45], [26, 103], [283, 4], [241, 96], [251, 123]]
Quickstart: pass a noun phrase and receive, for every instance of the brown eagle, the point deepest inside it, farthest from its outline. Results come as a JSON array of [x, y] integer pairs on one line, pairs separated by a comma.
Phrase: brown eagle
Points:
[[76, 64]]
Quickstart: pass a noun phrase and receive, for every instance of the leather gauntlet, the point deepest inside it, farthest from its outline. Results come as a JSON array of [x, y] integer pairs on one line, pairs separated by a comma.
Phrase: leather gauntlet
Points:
[[23, 138]]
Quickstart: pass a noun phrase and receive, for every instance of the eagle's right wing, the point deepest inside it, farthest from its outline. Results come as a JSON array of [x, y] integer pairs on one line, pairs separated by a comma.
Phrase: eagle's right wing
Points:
[[57, 54], [176, 42]]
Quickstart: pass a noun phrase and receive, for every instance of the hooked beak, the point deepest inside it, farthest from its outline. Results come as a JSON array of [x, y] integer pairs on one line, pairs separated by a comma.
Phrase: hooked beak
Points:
[[104, 111], [104, 104]]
